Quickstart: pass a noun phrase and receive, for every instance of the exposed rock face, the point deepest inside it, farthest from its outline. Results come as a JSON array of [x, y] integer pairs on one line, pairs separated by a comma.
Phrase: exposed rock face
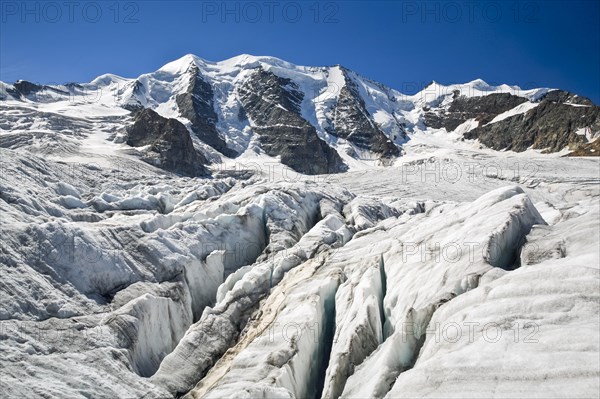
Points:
[[483, 109], [23, 87], [587, 150], [138, 91], [273, 105], [551, 126], [352, 121], [561, 96], [171, 147], [197, 106]]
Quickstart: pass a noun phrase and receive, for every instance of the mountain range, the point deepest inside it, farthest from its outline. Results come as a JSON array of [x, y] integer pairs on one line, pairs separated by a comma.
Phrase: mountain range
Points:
[[314, 120]]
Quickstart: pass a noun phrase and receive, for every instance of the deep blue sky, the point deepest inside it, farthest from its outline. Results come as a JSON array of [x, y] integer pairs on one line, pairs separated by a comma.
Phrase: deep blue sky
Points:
[[404, 44]]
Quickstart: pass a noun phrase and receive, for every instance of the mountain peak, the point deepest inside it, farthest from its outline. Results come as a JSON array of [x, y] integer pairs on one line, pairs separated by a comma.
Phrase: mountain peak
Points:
[[478, 81], [480, 84], [182, 64]]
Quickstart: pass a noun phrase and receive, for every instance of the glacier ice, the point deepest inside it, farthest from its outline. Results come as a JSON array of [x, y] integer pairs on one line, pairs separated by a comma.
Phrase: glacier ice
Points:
[[122, 280]]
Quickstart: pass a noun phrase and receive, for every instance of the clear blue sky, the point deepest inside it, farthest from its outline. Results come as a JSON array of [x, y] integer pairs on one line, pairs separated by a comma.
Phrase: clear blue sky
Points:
[[404, 44]]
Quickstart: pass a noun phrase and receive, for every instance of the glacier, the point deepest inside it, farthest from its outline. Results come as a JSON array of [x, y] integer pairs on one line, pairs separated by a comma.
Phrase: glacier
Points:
[[449, 269], [272, 288]]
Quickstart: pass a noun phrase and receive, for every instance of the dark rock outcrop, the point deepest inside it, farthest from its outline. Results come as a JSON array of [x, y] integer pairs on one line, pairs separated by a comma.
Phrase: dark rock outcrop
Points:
[[196, 105], [352, 121], [22, 89], [587, 150], [561, 96], [482, 109], [551, 126], [171, 146], [25, 88], [273, 105], [138, 91]]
